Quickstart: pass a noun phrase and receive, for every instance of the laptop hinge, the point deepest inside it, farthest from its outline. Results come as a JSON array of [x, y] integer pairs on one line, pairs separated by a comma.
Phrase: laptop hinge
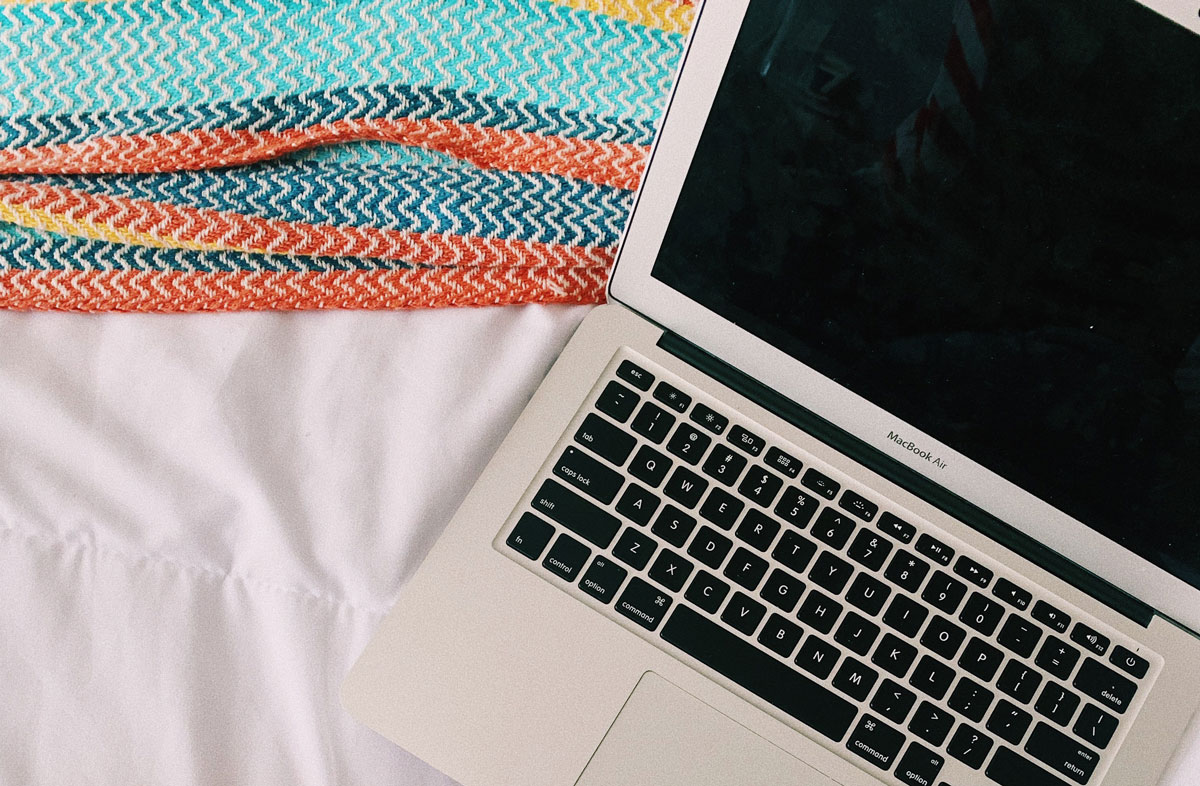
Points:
[[912, 481]]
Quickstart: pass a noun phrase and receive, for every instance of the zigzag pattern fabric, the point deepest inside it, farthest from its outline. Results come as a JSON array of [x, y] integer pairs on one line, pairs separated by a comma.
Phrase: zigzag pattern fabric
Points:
[[174, 155]]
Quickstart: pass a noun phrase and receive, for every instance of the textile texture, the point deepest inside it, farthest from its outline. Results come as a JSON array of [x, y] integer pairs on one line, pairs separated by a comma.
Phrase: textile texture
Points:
[[175, 155]]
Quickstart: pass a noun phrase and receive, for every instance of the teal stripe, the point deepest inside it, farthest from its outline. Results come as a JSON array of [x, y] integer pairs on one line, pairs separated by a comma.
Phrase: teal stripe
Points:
[[31, 249], [76, 57]]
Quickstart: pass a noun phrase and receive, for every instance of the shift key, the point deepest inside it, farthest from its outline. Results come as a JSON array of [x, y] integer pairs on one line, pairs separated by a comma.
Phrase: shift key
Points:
[[588, 475], [575, 513]]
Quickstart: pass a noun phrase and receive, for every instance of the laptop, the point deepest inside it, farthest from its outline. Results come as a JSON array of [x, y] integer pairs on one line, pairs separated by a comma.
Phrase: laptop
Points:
[[881, 465]]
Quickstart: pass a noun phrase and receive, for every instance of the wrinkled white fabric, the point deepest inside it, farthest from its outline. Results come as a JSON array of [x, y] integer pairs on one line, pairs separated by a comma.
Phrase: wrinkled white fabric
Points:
[[203, 518]]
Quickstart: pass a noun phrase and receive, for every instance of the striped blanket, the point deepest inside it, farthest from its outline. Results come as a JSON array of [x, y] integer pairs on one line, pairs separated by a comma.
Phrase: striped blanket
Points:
[[182, 155]]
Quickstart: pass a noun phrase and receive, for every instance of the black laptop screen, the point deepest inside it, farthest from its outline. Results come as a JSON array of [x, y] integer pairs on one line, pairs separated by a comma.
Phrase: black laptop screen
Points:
[[984, 216]]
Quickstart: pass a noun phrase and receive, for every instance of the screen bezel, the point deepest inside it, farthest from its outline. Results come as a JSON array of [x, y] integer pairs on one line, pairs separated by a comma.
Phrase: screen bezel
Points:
[[633, 285]]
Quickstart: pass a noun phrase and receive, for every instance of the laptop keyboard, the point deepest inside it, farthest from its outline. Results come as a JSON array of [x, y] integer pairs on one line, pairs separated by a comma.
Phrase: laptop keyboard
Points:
[[882, 636]]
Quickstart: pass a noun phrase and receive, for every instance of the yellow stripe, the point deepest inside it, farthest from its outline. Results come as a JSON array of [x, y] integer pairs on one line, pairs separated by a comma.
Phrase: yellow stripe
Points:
[[46, 221], [673, 16]]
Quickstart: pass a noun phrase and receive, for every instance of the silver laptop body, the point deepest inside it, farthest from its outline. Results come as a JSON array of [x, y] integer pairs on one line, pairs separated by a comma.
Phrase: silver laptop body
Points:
[[698, 560]]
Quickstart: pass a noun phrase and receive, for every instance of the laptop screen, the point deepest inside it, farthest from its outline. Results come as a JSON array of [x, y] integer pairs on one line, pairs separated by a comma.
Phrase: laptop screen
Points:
[[983, 216]]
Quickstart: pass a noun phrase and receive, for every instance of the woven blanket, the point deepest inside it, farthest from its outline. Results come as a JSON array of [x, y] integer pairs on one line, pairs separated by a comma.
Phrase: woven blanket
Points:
[[182, 155]]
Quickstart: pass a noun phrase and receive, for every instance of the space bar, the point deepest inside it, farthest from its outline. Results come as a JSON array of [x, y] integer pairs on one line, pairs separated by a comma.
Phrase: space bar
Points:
[[756, 671]]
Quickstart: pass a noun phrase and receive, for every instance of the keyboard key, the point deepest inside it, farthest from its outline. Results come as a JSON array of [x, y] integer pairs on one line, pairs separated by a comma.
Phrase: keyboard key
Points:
[[649, 466], [931, 723], [969, 746], [943, 637], [825, 486], [856, 633], [1089, 639], [944, 592], [1011, 769], [1011, 594], [531, 536], [1019, 681], [643, 603], [893, 701], [1057, 657], [819, 612], [589, 475], [1058, 704], [919, 766], [1095, 726], [971, 699], [934, 549], [869, 549], [670, 570], [1051, 617], [673, 397], [685, 487], [932, 677], [617, 401], [751, 443], [1104, 686], [722, 508], [710, 419], [898, 528], [777, 460], [1009, 721], [1126, 661], [634, 548], [637, 504], [795, 694], [783, 590], [746, 568], [674, 526], [710, 547], [858, 505], [689, 444], [830, 572], [780, 636], [982, 613], [723, 465], [905, 615], [635, 375], [894, 655], [795, 551], [1061, 753], [653, 423], [566, 557], [603, 579], [743, 613], [876, 742], [758, 530], [868, 594], [707, 591], [906, 571], [855, 679], [760, 486], [833, 528], [583, 518], [1020, 636], [818, 657], [973, 572], [605, 439], [796, 508], [981, 659]]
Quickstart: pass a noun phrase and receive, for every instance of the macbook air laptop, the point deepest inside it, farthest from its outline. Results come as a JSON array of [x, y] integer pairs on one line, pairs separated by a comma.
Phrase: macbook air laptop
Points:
[[883, 464]]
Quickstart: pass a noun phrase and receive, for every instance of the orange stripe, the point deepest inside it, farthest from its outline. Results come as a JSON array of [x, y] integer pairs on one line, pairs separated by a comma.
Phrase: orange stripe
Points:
[[605, 163], [237, 231], [138, 290]]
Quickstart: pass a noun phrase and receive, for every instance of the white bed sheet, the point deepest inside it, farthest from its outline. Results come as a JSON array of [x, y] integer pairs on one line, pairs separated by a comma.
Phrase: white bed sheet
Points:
[[203, 518]]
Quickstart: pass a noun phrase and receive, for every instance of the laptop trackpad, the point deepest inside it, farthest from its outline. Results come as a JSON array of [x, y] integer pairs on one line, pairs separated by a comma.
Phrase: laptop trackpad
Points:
[[667, 737]]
